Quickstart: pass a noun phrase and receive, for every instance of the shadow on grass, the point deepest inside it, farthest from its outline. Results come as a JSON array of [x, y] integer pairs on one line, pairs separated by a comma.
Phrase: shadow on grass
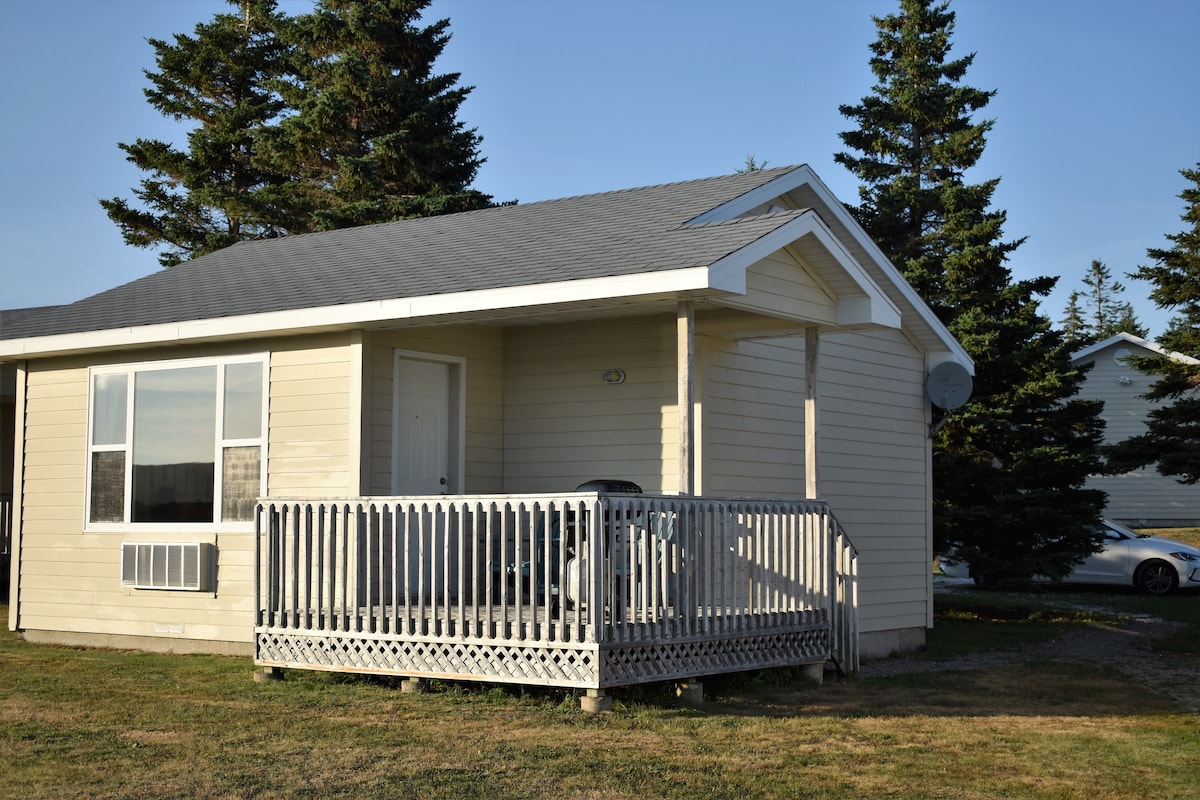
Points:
[[967, 621], [80, 723]]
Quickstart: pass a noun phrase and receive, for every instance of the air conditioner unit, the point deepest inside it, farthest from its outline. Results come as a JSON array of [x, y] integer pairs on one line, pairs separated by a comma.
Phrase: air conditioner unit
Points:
[[185, 566]]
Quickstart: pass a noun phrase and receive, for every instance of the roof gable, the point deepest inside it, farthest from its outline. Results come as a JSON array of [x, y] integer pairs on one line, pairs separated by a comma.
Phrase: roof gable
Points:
[[602, 235], [687, 240], [1128, 339], [801, 188]]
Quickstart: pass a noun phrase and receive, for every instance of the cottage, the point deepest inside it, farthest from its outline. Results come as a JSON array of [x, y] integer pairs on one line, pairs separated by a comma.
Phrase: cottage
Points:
[[1143, 498], [587, 442]]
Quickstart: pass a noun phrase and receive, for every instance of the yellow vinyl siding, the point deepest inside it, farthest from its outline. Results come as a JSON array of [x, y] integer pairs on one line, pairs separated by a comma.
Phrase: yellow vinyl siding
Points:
[[564, 425], [311, 418], [876, 471], [753, 418], [873, 443], [482, 352], [782, 285], [70, 581]]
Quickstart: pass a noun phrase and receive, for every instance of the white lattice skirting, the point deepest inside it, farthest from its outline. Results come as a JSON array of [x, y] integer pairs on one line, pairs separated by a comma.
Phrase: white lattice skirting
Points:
[[575, 665], [671, 660]]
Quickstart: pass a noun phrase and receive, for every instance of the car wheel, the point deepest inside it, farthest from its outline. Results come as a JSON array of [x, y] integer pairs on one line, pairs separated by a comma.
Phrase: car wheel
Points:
[[1156, 577]]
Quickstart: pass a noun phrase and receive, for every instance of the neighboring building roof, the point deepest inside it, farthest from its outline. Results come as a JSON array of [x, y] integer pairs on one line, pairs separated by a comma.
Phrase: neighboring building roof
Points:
[[692, 239], [1137, 341]]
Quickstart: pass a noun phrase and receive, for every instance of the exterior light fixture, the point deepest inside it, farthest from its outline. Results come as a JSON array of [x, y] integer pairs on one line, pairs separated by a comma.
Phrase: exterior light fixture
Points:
[[614, 376]]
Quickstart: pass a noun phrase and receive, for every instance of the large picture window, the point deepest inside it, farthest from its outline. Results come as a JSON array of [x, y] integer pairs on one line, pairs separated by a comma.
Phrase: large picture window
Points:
[[177, 442]]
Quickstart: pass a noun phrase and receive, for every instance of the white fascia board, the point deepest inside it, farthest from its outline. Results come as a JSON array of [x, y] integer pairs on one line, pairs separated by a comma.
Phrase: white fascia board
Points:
[[1136, 341], [805, 176], [874, 307], [353, 314], [754, 198], [1120, 337]]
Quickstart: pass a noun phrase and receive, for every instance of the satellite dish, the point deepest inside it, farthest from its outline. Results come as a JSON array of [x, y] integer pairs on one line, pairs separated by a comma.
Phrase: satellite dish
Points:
[[948, 385]]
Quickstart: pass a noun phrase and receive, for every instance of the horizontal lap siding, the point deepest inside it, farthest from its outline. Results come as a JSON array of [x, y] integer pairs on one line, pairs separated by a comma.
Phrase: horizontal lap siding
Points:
[[875, 469], [564, 425], [1141, 496], [780, 285], [312, 386], [873, 445], [483, 351], [752, 416], [70, 580]]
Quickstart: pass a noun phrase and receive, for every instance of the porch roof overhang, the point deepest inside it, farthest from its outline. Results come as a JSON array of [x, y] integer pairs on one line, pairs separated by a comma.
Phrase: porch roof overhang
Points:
[[718, 289], [801, 187], [520, 305], [621, 254]]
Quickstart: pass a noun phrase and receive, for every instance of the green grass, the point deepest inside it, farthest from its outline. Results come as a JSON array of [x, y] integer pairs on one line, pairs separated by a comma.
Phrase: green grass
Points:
[[974, 620], [109, 724]]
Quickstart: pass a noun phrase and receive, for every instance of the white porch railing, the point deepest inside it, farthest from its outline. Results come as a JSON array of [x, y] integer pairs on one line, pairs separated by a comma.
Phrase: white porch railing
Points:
[[586, 590]]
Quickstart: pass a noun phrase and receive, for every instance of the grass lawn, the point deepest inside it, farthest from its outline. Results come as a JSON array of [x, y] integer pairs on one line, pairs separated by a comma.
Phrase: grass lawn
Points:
[[115, 724]]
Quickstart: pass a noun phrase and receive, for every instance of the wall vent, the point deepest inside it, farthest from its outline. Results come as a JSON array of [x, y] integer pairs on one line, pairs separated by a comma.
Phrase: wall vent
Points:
[[156, 565]]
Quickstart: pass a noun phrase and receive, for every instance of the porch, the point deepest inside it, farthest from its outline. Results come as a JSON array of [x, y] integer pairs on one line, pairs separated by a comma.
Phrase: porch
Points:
[[584, 589]]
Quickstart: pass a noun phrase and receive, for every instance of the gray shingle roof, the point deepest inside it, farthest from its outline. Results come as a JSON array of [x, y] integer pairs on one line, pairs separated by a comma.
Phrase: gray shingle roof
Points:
[[590, 236]]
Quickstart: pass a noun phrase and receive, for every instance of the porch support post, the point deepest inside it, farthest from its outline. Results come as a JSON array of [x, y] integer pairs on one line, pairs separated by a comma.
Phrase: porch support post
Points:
[[18, 499], [812, 342], [685, 332]]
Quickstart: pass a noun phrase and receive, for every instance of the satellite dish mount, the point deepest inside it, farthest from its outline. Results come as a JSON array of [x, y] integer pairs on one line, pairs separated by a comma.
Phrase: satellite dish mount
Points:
[[948, 386]]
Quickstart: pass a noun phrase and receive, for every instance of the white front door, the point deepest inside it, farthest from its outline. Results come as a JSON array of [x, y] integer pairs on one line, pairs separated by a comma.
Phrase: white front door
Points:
[[421, 440]]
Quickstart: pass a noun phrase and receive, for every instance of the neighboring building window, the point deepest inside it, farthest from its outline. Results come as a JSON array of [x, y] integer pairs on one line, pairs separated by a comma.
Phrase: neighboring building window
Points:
[[177, 442]]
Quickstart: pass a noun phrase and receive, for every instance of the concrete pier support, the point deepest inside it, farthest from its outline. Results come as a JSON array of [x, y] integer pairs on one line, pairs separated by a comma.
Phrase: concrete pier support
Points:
[[595, 701], [690, 693], [813, 674], [267, 674]]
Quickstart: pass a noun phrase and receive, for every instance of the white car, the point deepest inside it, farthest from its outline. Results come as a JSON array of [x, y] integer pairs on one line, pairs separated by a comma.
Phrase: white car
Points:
[[1150, 563]]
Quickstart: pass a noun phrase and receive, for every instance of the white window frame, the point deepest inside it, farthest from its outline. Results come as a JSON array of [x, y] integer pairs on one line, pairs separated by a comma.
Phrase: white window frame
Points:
[[220, 443]]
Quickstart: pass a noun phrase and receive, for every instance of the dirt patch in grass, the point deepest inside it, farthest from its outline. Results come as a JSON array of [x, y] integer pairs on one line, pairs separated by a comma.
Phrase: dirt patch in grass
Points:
[[1091, 630]]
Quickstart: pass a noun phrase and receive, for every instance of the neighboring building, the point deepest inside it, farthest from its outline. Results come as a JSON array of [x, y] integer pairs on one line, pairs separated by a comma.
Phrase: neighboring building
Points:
[[1144, 498], [734, 337]]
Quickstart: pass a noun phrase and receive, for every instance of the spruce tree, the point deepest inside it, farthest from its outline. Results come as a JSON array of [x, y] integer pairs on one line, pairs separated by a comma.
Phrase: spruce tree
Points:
[[216, 192], [1074, 324], [375, 134], [324, 120], [1172, 438], [1010, 465], [1104, 314]]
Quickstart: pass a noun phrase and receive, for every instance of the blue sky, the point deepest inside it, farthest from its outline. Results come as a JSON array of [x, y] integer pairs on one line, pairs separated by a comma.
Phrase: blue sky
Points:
[[1095, 114]]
